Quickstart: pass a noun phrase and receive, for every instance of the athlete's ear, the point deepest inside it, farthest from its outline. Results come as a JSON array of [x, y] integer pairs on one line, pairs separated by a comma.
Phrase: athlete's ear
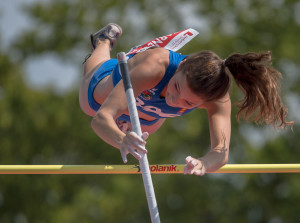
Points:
[[181, 62]]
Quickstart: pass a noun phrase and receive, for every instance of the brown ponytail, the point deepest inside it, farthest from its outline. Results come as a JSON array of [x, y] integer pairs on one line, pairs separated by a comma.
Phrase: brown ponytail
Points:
[[260, 83], [209, 76]]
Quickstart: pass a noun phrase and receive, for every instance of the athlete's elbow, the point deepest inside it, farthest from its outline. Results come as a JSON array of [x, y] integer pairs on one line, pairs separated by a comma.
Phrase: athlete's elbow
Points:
[[93, 123], [96, 121]]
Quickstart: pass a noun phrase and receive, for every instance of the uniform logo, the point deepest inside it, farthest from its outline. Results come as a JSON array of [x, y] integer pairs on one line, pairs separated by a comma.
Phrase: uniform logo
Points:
[[146, 95]]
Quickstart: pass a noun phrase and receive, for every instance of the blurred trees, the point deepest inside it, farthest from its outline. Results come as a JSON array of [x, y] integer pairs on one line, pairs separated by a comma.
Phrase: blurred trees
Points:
[[41, 127]]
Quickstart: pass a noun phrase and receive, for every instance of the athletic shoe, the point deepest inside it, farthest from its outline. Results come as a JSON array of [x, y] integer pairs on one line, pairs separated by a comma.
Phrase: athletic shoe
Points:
[[111, 32]]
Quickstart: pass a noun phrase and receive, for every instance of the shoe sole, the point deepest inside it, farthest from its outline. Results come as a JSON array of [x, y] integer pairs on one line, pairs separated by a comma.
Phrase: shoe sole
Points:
[[92, 36]]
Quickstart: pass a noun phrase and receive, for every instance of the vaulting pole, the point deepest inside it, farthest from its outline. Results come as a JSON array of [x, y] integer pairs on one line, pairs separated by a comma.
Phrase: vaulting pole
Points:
[[135, 122]]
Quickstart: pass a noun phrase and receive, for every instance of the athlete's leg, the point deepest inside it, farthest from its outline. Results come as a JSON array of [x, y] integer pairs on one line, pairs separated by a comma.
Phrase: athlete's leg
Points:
[[102, 42], [98, 56]]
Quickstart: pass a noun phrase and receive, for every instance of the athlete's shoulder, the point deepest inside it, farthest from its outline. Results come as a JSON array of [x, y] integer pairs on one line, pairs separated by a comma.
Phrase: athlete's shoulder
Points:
[[222, 105], [159, 51], [148, 68], [155, 55], [154, 60], [160, 55], [159, 58]]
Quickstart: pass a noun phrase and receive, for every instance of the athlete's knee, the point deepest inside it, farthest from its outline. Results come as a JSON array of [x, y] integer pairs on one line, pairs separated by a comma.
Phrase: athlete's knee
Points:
[[90, 68]]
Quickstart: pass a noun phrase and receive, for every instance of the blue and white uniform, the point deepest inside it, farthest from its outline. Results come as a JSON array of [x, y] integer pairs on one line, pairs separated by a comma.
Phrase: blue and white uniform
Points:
[[149, 102]]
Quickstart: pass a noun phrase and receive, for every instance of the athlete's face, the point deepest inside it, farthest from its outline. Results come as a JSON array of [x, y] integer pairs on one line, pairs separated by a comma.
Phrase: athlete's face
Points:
[[178, 93]]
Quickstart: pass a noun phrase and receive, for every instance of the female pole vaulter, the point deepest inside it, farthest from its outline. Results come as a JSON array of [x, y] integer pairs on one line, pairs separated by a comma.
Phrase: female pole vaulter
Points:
[[167, 84]]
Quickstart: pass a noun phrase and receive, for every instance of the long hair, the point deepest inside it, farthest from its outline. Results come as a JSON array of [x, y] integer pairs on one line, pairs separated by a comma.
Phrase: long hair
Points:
[[209, 76]]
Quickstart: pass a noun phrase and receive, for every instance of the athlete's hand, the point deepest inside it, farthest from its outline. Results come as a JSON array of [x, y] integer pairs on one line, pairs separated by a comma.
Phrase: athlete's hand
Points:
[[194, 166], [134, 145]]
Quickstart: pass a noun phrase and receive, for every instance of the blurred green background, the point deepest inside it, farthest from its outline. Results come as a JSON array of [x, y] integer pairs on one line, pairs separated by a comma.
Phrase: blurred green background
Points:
[[41, 122]]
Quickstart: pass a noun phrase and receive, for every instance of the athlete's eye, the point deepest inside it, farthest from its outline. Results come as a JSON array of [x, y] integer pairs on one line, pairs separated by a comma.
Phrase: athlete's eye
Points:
[[188, 103]]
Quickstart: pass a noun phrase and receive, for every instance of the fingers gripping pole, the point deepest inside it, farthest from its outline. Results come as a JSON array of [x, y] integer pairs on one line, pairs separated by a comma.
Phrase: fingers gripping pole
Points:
[[144, 165]]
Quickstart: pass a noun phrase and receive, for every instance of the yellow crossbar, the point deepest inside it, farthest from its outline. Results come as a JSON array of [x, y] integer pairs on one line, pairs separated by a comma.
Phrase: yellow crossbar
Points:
[[135, 169]]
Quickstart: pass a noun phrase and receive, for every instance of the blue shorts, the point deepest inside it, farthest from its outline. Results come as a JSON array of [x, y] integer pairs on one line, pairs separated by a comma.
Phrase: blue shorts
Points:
[[107, 68], [103, 71]]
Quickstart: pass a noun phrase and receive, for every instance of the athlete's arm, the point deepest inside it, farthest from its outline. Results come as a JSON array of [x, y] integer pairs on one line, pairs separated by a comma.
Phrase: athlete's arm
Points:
[[146, 70], [220, 129]]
